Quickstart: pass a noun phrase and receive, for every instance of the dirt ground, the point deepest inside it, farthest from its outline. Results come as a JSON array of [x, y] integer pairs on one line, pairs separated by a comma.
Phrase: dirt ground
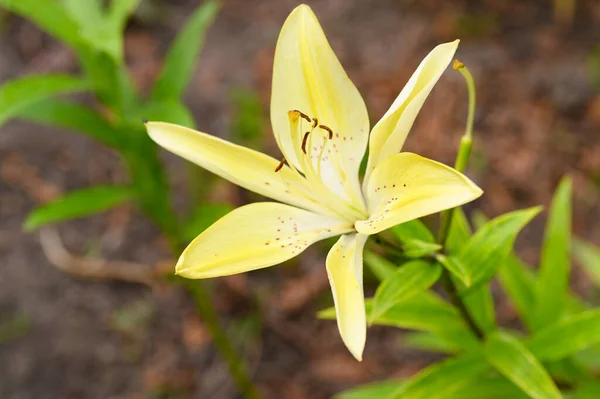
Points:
[[538, 118]]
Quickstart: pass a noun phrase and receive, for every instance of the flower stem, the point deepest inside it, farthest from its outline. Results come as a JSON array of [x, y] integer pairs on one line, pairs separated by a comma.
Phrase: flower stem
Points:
[[452, 292], [203, 301], [466, 144], [462, 158]]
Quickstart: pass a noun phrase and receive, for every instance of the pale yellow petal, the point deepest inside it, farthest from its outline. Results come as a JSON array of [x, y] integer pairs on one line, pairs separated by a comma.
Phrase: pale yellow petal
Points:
[[389, 134], [345, 271], [247, 168], [253, 237], [308, 77], [407, 186]]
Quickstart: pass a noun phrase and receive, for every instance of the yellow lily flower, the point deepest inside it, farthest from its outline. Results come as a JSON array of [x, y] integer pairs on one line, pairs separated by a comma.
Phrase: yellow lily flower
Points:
[[321, 126]]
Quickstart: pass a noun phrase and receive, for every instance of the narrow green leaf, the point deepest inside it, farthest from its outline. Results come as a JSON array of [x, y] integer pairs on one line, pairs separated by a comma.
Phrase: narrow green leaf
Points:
[[381, 267], [410, 279], [588, 256], [19, 93], [370, 391], [456, 267], [172, 111], [76, 204], [425, 311], [479, 300], [413, 230], [75, 117], [86, 13], [553, 276], [417, 248], [49, 16], [513, 360], [567, 336], [180, 60], [430, 342], [589, 390], [518, 281], [459, 232], [204, 216], [443, 380], [120, 10], [485, 387], [485, 251]]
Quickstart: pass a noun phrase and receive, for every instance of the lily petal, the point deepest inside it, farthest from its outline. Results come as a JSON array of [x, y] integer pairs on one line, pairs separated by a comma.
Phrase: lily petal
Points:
[[407, 186], [253, 237], [345, 272], [308, 77], [389, 134], [247, 168]]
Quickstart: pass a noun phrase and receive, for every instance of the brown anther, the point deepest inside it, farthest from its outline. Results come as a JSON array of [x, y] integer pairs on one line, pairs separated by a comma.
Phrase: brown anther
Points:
[[328, 130], [303, 116], [281, 163], [304, 140], [315, 122]]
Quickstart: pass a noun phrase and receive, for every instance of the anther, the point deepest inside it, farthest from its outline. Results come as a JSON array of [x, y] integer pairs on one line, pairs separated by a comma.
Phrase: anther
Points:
[[315, 122], [303, 116], [304, 139], [328, 130], [281, 163]]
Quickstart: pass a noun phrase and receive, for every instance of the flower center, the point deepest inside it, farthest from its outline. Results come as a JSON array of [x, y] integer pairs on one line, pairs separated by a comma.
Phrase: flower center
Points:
[[319, 165]]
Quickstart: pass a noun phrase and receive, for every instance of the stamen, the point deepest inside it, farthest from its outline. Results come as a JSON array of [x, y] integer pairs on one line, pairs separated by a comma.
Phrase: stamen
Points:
[[281, 163], [328, 130], [304, 116], [315, 122], [304, 139]]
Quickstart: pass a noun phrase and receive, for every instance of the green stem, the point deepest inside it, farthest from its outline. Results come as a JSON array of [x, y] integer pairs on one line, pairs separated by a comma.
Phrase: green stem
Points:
[[466, 144], [203, 301], [462, 158]]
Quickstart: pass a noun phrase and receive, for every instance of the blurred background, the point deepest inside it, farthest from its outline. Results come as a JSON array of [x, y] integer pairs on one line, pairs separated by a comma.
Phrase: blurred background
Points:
[[537, 68]]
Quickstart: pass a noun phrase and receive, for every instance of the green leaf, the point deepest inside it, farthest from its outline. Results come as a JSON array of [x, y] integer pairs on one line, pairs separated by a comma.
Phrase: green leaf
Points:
[[456, 267], [101, 29], [418, 249], [379, 266], [19, 93], [413, 230], [459, 232], [77, 204], [589, 390], [513, 360], [553, 276], [204, 216], [370, 391], [485, 251], [425, 311], [479, 300], [120, 10], [410, 279], [567, 336], [443, 380], [248, 119], [180, 60], [430, 342], [49, 16], [480, 304], [86, 13], [172, 111], [588, 256], [518, 281], [75, 117]]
